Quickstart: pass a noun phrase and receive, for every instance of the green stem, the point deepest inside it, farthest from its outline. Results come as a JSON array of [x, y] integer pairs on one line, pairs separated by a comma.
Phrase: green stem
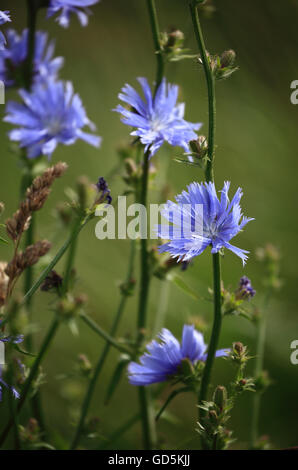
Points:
[[33, 372], [211, 89], [215, 330], [145, 275], [104, 354], [209, 176], [144, 399], [156, 40], [70, 258], [261, 341], [32, 9], [103, 334]]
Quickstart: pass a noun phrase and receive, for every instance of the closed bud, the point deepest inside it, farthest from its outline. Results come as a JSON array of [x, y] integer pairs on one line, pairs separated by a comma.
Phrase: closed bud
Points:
[[199, 146], [239, 348], [175, 37], [227, 58], [186, 368], [84, 363], [2, 207], [220, 397]]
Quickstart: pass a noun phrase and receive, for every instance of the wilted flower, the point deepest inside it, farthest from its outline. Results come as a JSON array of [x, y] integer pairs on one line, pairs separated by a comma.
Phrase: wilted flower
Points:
[[47, 117], [104, 191], [164, 358], [219, 221], [79, 7], [14, 56], [245, 290], [4, 18], [158, 119]]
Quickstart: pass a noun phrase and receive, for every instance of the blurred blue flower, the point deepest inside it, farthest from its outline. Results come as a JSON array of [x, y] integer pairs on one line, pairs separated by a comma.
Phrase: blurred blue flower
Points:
[[158, 119], [13, 57], [164, 358], [16, 340], [79, 7], [219, 221], [47, 117], [4, 18]]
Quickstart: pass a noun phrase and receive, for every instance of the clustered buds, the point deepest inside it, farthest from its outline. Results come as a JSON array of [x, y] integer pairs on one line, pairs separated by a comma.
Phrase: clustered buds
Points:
[[222, 66], [214, 416], [270, 257], [233, 302], [171, 45]]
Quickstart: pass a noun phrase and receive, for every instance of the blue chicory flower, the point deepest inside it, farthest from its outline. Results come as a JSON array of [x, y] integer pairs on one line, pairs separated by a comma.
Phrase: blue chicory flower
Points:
[[67, 7], [219, 221], [13, 57], [4, 18], [164, 358], [158, 119], [47, 117]]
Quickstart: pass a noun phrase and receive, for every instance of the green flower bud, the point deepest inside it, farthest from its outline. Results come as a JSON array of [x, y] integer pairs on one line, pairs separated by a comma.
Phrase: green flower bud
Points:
[[220, 397]]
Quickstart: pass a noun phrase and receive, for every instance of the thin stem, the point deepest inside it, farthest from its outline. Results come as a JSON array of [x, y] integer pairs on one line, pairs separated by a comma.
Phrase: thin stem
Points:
[[261, 341], [215, 329], [145, 275], [32, 9], [209, 175], [70, 258], [163, 302], [103, 334], [105, 352], [33, 372], [156, 40], [144, 400]]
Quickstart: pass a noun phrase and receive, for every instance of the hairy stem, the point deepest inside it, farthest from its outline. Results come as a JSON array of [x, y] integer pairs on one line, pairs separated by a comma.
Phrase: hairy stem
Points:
[[209, 174], [215, 329], [156, 40], [104, 354]]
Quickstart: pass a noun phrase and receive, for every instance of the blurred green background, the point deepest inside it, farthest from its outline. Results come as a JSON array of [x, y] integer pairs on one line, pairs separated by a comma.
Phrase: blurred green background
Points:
[[256, 149]]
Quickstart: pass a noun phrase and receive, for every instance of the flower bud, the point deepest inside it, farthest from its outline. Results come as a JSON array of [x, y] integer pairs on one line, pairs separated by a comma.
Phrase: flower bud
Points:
[[227, 58], [220, 397]]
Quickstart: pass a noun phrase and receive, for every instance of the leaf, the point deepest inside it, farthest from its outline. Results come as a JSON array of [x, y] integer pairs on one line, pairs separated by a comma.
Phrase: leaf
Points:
[[22, 351], [185, 287], [2, 240], [116, 377]]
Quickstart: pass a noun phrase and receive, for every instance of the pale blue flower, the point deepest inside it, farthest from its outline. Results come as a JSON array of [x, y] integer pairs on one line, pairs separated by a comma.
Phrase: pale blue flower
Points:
[[66, 7], [4, 18], [163, 358], [158, 118], [219, 221], [13, 58], [47, 117]]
